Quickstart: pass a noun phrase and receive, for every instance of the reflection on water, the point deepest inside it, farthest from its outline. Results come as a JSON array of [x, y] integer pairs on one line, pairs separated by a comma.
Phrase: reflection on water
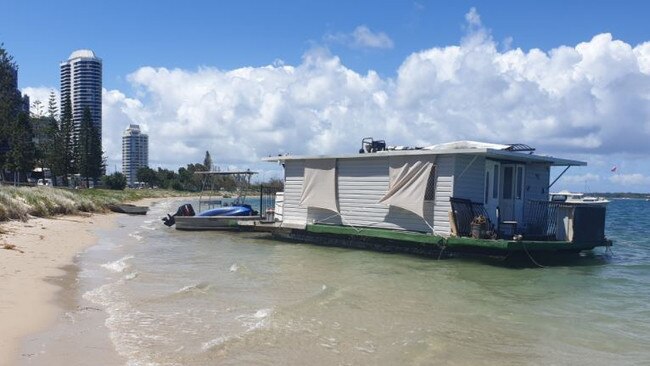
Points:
[[203, 298]]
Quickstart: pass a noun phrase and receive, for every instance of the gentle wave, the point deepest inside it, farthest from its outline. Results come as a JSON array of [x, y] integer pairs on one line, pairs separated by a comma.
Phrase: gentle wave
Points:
[[119, 265], [216, 343], [131, 331], [260, 319], [131, 275], [199, 287], [136, 235]]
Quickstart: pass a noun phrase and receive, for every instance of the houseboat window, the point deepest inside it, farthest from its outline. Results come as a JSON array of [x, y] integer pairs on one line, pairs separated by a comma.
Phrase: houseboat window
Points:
[[430, 193], [487, 187], [495, 183], [507, 183], [520, 182]]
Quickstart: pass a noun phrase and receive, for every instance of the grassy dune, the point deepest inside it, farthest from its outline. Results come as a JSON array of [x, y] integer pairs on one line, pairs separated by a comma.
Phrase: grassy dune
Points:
[[21, 203]]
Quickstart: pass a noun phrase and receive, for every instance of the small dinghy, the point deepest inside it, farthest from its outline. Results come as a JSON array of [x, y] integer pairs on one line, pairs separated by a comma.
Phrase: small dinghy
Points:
[[129, 209]]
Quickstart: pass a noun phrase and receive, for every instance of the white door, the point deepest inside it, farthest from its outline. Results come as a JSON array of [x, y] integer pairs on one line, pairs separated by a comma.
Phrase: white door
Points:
[[511, 203], [507, 201], [491, 194], [520, 177]]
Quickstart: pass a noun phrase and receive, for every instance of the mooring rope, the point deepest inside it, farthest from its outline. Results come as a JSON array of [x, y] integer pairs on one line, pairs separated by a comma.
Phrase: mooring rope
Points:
[[346, 222], [360, 229], [530, 256], [441, 251]]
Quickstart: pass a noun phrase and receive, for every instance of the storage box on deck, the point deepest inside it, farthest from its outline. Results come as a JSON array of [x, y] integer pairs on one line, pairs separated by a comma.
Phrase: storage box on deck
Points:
[[581, 223]]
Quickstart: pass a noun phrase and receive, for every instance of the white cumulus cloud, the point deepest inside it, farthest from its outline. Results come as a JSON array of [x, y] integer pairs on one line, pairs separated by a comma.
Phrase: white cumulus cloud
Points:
[[631, 180], [362, 37], [42, 95], [591, 99]]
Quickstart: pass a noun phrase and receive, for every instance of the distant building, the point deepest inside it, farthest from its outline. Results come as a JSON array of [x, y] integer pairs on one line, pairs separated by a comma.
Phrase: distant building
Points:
[[81, 81], [24, 103], [135, 153]]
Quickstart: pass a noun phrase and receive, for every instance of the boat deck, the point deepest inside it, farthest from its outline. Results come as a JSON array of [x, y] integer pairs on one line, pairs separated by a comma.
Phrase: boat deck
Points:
[[213, 222], [426, 243], [259, 225]]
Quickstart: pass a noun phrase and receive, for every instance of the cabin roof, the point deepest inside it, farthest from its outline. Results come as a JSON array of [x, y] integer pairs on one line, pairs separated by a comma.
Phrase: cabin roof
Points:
[[490, 153]]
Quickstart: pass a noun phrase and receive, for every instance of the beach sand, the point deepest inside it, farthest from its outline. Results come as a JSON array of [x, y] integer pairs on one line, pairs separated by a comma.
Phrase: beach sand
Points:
[[38, 275]]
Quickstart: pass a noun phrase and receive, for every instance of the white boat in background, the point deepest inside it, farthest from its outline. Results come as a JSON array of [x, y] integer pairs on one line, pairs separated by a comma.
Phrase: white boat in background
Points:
[[577, 198]]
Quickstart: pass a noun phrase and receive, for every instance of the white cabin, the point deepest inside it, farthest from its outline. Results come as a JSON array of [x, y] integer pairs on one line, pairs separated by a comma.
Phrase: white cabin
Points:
[[411, 189]]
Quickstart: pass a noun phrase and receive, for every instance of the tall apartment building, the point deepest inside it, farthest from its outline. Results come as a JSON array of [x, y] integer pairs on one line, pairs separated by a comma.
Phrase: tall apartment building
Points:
[[135, 153], [81, 81]]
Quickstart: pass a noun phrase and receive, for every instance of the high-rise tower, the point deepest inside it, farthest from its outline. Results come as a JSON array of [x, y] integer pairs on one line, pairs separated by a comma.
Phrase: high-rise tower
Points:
[[81, 80], [135, 153]]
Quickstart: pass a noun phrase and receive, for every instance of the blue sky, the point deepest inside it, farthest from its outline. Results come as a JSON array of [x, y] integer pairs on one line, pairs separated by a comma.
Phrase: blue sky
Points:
[[232, 34], [150, 47]]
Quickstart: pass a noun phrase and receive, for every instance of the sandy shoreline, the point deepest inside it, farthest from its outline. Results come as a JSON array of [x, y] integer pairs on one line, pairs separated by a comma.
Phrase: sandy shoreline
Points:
[[43, 247]]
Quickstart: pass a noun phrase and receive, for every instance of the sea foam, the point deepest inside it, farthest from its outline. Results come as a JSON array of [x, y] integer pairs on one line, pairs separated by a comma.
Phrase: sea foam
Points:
[[260, 319], [198, 287], [215, 343], [119, 265], [136, 235]]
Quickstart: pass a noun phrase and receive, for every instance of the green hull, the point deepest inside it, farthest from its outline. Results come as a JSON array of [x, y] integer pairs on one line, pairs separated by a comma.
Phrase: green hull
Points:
[[420, 243]]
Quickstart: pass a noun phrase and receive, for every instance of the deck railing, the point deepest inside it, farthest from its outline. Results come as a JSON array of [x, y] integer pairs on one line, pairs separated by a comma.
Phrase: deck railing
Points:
[[540, 219], [267, 201], [464, 212]]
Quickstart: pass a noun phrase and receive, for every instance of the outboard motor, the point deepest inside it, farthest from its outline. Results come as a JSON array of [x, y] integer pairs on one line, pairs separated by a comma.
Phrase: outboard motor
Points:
[[368, 145], [184, 210]]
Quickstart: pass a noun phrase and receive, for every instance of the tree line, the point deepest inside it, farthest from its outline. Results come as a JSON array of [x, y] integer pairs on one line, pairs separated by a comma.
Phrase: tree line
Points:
[[44, 140], [49, 140], [186, 179]]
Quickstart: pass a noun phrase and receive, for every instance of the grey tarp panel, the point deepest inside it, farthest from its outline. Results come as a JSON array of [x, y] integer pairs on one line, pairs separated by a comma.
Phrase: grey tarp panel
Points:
[[319, 185], [408, 183]]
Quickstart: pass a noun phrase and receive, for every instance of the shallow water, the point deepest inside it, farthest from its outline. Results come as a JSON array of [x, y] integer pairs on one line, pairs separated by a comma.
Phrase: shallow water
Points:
[[198, 298]]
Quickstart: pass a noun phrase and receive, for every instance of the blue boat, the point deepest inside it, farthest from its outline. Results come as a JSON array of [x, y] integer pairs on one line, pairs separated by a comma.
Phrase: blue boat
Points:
[[236, 210], [214, 214]]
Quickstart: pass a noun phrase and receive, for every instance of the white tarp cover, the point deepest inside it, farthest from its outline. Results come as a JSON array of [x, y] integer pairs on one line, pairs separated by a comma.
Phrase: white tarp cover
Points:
[[408, 181], [319, 185]]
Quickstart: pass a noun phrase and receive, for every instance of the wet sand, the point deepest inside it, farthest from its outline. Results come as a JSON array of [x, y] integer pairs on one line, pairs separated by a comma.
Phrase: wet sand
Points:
[[78, 336], [38, 276]]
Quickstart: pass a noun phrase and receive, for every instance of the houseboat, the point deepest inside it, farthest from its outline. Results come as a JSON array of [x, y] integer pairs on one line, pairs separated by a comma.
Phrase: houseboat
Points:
[[456, 197]]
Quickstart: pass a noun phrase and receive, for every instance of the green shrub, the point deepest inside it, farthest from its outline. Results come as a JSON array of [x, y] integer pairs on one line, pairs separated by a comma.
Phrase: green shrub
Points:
[[115, 181], [21, 203]]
